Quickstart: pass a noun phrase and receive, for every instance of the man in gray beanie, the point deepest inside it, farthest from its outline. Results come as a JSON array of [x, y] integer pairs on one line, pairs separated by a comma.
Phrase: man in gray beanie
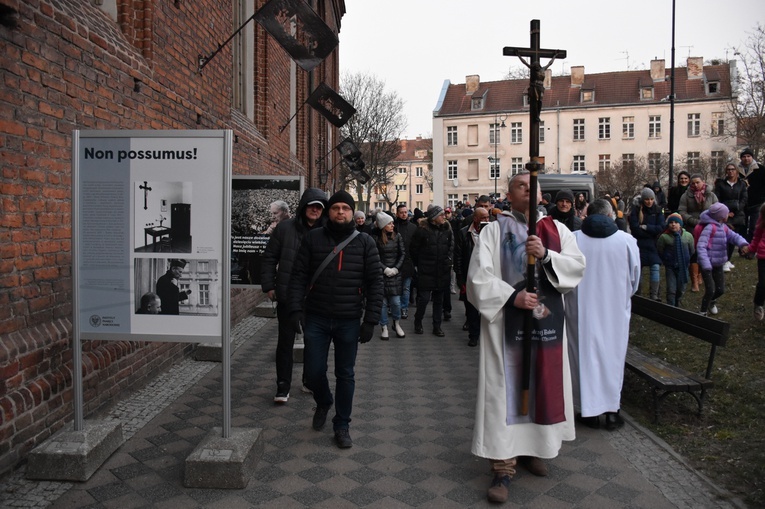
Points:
[[432, 255]]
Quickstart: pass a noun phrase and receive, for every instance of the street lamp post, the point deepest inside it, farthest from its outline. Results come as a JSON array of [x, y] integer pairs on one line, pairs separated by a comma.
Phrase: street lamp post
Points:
[[499, 122]]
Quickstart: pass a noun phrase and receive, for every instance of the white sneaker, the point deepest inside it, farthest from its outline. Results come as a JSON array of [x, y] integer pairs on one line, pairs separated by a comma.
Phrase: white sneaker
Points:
[[713, 309], [384, 334], [730, 264], [727, 266], [759, 313]]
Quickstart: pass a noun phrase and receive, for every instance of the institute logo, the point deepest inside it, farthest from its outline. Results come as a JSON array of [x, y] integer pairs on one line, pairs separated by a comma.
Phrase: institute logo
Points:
[[95, 321]]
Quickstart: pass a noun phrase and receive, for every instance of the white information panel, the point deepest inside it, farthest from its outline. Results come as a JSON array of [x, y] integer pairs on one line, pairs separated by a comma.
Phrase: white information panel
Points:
[[150, 240]]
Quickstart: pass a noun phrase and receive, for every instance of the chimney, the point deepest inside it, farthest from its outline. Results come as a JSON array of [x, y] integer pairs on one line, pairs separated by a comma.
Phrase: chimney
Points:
[[548, 79], [658, 72], [472, 83], [695, 68], [577, 75], [403, 145]]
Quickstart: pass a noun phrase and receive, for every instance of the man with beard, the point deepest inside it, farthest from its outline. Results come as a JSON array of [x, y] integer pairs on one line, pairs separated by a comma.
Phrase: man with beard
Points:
[[276, 268], [337, 280]]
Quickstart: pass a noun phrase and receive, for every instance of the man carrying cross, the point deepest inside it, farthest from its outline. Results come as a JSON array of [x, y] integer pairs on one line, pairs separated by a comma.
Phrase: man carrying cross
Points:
[[518, 272]]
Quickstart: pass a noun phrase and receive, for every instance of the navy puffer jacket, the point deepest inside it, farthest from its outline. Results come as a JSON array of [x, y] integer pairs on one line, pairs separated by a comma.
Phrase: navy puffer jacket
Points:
[[283, 246], [653, 220], [353, 277]]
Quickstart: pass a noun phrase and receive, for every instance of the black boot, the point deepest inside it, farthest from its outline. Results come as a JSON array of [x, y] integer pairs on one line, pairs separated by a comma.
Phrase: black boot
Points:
[[418, 326], [438, 332], [614, 421]]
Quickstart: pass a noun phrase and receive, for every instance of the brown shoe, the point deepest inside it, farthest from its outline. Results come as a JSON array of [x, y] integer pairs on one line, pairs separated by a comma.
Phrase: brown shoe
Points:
[[498, 491], [534, 465]]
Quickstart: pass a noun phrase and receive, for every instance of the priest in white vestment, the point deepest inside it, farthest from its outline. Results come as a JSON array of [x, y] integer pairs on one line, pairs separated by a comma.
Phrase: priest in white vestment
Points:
[[496, 287], [602, 302]]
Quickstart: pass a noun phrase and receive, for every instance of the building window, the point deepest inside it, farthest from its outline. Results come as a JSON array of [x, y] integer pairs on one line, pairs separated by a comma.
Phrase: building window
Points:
[[451, 136], [184, 287], [418, 188], [541, 131], [451, 170], [419, 204], [654, 162], [578, 166], [718, 123], [516, 165], [646, 93], [204, 294], [628, 128], [401, 169], [494, 169], [516, 132], [578, 129], [604, 162], [718, 159], [713, 87], [654, 126], [628, 161], [451, 201], [418, 171], [694, 161], [494, 134], [604, 128], [400, 187], [203, 266], [476, 103], [243, 86], [694, 124], [587, 96]]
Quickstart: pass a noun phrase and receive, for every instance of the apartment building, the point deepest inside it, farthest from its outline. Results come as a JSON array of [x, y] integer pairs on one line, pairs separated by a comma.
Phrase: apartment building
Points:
[[588, 122], [412, 181]]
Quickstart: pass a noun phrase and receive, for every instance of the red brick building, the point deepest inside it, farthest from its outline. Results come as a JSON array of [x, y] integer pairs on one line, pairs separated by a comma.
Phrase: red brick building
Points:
[[121, 64]]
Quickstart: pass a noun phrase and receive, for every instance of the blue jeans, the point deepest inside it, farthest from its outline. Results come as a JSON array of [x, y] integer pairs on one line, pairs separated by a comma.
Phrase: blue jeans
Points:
[[394, 303], [406, 293], [320, 331], [675, 289]]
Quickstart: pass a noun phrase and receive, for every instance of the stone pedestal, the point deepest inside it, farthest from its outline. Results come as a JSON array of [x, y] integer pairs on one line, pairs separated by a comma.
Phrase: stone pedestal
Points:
[[75, 455], [225, 463]]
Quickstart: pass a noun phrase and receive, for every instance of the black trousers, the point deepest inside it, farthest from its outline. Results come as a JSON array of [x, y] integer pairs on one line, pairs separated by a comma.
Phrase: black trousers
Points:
[[423, 297], [284, 345]]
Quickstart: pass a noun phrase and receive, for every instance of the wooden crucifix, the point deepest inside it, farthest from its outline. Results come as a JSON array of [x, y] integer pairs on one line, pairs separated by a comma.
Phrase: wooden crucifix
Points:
[[536, 92], [146, 190]]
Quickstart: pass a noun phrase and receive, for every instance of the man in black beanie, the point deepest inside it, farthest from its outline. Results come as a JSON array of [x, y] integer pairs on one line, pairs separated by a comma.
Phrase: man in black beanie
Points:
[[432, 254], [336, 281]]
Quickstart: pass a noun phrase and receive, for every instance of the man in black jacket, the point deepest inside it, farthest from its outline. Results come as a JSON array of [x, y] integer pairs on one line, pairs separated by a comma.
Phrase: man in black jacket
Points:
[[432, 252], [328, 301], [276, 269], [168, 291], [731, 190], [406, 229]]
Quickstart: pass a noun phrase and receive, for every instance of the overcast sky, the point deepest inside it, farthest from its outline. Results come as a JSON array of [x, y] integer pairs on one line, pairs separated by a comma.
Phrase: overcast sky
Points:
[[414, 45]]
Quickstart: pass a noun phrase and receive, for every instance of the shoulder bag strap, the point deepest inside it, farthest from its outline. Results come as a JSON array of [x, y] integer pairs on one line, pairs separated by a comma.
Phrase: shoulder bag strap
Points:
[[331, 255]]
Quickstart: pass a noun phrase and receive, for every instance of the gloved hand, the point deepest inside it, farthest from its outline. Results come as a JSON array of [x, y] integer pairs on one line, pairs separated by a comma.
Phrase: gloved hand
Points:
[[388, 272], [366, 333], [296, 319], [394, 271], [643, 226]]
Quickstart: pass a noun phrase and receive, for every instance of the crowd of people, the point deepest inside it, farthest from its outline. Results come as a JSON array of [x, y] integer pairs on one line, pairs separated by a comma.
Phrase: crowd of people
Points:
[[339, 274]]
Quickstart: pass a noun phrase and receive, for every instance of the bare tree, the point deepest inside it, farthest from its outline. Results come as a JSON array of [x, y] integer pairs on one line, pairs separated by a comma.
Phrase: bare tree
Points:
[[517, 72], [375, 129], [748, 102]]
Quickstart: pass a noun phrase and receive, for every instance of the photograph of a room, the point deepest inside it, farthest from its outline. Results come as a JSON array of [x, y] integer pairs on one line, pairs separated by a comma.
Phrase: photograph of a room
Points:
[[162, 217]]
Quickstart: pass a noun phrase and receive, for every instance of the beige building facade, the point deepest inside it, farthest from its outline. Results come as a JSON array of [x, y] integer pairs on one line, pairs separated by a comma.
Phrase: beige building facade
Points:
[[588, 122], [412, 182]]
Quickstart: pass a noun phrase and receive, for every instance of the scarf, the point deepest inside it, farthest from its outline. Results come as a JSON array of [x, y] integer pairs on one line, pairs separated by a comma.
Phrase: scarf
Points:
[[700, 194], [681, 258]]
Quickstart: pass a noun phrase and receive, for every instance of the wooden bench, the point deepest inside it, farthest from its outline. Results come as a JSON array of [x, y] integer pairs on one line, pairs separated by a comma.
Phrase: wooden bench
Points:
[[663, 377]]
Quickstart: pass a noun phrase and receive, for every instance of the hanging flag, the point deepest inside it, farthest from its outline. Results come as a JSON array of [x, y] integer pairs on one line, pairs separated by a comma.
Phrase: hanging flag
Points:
[[299, 30], [331, 105]]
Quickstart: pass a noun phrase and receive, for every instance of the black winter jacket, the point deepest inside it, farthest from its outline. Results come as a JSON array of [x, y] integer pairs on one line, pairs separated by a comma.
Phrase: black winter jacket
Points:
[[463, 250], [353, 275], [283, 246], [432, 254], [392, 255], [653, 219], [406, 229], [734, 197]]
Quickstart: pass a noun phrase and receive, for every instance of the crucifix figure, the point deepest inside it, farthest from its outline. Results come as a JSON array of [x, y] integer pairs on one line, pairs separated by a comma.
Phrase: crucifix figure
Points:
[[536, 92], [146, 190]]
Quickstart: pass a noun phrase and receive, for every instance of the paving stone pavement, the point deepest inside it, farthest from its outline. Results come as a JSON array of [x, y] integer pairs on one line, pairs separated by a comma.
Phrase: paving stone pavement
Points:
[[412, 427]]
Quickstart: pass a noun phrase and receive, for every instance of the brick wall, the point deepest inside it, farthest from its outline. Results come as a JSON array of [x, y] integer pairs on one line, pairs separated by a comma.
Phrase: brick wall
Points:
[[68, 66]]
